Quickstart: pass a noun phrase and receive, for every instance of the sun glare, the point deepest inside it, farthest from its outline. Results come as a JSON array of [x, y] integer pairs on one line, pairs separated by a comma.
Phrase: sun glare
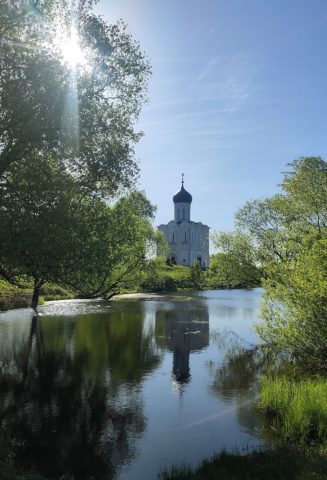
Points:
[[72, 53]]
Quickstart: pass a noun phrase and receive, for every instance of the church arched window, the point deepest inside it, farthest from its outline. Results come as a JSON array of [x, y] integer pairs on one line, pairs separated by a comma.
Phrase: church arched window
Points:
[[183, 214]]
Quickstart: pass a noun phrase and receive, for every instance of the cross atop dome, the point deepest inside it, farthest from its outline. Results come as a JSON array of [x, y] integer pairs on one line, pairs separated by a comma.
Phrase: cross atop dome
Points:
[[183, 196]]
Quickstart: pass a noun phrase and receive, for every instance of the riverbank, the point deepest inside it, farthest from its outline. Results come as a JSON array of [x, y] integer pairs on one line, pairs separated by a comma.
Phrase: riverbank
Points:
[[296, 413], [12, 297], [159, 279], [281, 464]]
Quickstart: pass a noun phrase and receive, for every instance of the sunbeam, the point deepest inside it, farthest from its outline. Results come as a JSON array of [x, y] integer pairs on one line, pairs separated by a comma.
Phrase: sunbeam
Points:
[[71, 51]]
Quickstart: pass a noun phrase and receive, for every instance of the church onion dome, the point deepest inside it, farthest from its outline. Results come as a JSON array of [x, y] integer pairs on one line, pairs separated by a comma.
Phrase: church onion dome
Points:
[[182, 196]]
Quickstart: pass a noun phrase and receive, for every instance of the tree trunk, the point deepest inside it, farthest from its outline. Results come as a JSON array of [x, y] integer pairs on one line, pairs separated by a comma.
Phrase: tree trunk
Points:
[[36, 294]]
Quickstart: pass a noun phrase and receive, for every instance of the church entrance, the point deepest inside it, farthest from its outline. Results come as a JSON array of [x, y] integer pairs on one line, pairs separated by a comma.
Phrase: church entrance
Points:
[[172, 260]]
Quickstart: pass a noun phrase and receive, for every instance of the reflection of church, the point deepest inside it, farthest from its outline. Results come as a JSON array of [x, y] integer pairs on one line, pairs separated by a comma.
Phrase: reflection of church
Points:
[[182, 331]]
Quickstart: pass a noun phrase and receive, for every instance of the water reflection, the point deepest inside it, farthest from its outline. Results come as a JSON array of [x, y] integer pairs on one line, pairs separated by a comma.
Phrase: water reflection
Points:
[[85, 389], [236, 379], [64, 393], [182, 331]]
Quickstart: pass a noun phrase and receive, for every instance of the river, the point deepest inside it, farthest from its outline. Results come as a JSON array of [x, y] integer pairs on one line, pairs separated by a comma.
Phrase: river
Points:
[[121, 390]]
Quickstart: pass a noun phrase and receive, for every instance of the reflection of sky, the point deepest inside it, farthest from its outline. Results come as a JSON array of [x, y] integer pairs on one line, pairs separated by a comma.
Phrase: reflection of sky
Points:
[[237, 91], [185, 425], [236, 311]]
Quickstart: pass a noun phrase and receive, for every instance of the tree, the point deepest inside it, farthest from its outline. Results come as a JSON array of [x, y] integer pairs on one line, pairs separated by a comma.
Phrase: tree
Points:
[[291, 232], [196, 276], [114, 243], [295, 305], [84, 115], [53, 233], [66, 145], [236, 264]]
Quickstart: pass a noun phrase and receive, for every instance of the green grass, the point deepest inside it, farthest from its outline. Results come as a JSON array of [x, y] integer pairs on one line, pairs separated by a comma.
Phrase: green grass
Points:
[[177, 272], [279, 464], [299, 408]]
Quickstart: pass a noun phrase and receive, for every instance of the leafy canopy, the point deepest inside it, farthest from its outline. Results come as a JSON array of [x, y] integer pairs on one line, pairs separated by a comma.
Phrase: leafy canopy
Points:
[[82, 115], [67, 148], [290, 230]]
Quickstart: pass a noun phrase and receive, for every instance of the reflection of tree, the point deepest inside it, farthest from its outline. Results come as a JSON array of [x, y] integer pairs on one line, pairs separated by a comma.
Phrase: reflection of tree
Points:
[[182, 330], [236, 380], [70, 396], [237, 375]]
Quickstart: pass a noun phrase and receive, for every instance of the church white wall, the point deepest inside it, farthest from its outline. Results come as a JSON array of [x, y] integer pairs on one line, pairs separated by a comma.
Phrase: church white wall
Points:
[[182, 211], [187, 242]]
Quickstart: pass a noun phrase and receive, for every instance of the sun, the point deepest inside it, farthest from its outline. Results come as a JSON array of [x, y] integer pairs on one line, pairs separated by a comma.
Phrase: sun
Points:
[[72, 53]]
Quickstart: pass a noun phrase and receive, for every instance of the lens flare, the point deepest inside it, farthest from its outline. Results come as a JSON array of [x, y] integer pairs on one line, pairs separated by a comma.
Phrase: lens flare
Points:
[[71, 51]]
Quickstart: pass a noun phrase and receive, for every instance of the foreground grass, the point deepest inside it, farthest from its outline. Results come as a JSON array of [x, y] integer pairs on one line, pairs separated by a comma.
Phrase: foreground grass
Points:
[[280, 464], [298, 409]]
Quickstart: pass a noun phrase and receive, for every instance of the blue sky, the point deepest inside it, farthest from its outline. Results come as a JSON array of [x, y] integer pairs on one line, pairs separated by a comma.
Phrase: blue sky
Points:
[[239, 88]]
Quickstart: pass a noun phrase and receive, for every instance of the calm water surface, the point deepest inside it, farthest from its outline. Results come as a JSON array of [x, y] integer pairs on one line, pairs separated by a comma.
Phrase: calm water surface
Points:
[[121, 390]]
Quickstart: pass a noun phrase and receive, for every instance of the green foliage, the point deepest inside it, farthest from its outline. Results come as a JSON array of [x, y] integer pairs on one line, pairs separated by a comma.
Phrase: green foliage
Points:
[[67, 141], [196, 276], [13, 297], [295, 305], [160, 277], [299, 407], [113, 256], [63, 236], [290, 230], [82, 116], [236, 265]]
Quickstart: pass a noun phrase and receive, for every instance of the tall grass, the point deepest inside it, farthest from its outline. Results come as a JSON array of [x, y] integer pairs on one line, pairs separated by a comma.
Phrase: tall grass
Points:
[[300, 407]]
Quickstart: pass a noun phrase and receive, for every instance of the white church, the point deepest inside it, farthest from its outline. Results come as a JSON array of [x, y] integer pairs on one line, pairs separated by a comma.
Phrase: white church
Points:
[[188, 241]]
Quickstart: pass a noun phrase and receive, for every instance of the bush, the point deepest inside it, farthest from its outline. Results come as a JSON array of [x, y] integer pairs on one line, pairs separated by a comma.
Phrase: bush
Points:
[[295, 306], [14, 297], [160, 277]]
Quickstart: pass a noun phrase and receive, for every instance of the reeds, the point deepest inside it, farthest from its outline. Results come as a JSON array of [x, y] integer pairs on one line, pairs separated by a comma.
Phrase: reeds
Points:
[[299, 408]]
